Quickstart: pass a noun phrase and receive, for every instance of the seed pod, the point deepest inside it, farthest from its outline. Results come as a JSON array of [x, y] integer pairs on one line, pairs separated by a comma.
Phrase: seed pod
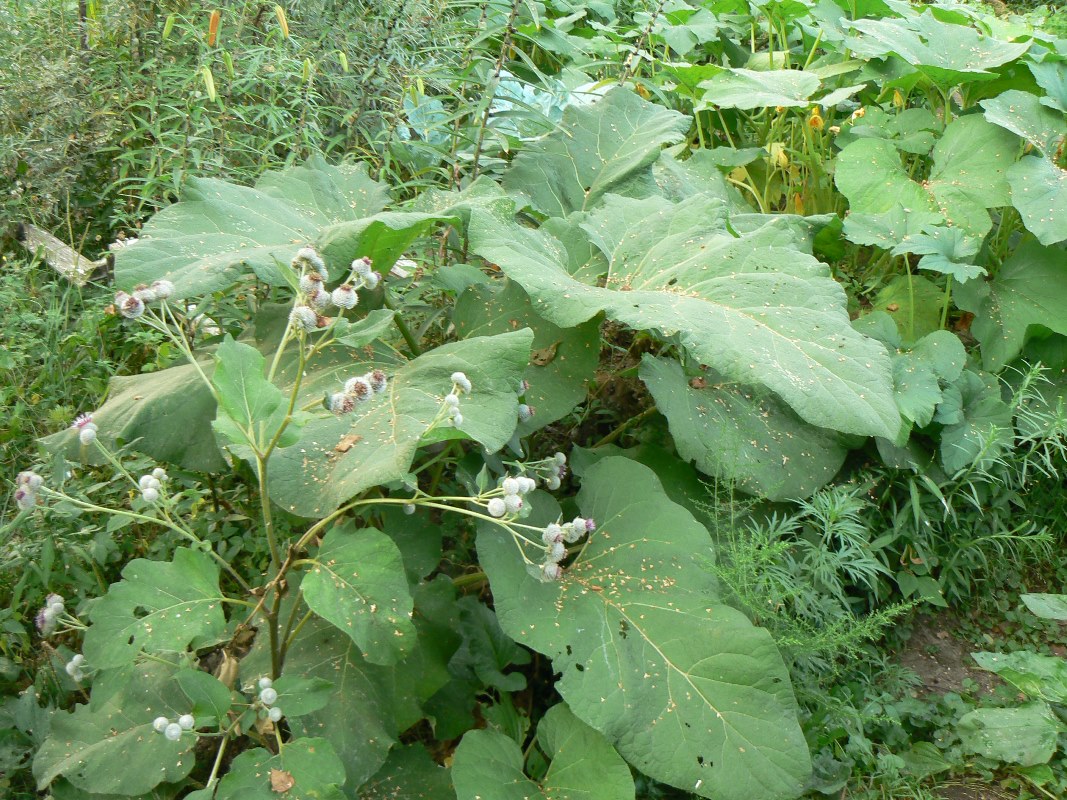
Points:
[[279, 12], [213, 28], [209, 83]]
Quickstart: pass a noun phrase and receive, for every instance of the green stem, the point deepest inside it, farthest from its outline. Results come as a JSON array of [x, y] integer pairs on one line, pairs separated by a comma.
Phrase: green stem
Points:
[[948, 300], [402, 326], [619, 431], [264, 506]]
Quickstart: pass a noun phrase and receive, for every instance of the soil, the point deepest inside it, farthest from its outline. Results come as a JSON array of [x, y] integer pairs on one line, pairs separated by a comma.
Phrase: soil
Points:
[[942, 660]]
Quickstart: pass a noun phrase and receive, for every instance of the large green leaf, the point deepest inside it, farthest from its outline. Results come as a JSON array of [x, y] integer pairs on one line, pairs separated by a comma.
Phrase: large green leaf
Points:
[[583, 765], [920, 375], [359, 719], [1029, 289], [978, 423], [968, 176], [686, 689], [594, 149], [220, 231], [563, 360], [1024, 735], [1023, 114], [356, 581], [750, 89], [1037, 676], [737, 433], [303, 769], [251, 409], [339, 457], [1039, 192], [157, 607], [409, 774], [755, 309], [1047, 606], [113, 749], [166, 415], [946, 52]]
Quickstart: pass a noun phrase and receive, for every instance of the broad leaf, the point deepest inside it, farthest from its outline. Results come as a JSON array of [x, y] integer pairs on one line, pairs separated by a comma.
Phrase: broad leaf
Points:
[[947, 53], [945, 250], [563, 360], [755, 309], [1030, 288], [220, 231], [157, 607], [359, 719], [339, 457], [1047, 606], [919, 375], [251, 408], [1023, 114], [749, 89], [968, 176], [978, 423], [166, 415], [583, 764], [114, 748], [686, 689], [1037, 676], [1025, 735], [209, 696], [304, 769], [1039, 192], [486, 652], [300, 696], [409, 774], [356, 581], [736, 433], [594, 149]]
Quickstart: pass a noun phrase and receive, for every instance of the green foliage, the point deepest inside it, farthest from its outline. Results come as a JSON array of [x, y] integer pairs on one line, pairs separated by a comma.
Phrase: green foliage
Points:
[[306, 546]]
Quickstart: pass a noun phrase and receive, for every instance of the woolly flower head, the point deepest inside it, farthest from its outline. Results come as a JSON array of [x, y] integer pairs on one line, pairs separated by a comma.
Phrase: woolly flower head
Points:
[[54, 605], [378, 380], [362, 267], [162, 289], [341, 403], [344, 296], [359, 388], [310, 282], [128, 305], [86, 428], [461, 380], [304, 318], [551, 571], [308, 260]]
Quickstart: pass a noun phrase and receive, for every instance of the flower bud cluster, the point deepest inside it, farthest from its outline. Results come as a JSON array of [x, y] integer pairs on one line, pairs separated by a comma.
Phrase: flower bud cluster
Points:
[[86, 428], [556, 537], [174, 730], [268, 696], [26, 485], [54, 606], [74, 668], [358, 390], [512, 502], [151, 485], [132, 305], [461, 385]]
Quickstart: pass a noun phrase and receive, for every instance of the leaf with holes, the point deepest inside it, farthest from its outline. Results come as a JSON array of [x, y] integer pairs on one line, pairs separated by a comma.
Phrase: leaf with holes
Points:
[[733, 432], [341, 456], [113, 748], [356, 581], [303, 769], [157, 607], [1039, 193], [583, 764], [754, 308], [685, 688]]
